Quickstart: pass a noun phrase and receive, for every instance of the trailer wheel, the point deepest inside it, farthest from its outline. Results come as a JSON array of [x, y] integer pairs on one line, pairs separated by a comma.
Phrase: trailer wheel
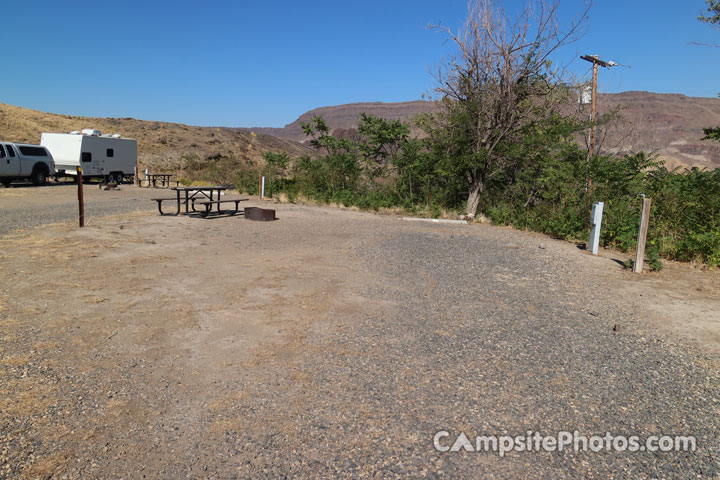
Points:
[[119, 178], [6, 181], [39, 175]]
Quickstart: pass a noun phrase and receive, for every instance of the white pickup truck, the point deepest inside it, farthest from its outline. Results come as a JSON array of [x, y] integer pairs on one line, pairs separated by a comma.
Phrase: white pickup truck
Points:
[[21, 160]]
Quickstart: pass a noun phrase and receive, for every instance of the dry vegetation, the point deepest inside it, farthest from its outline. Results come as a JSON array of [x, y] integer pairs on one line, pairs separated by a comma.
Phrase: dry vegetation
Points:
[[161, 145]]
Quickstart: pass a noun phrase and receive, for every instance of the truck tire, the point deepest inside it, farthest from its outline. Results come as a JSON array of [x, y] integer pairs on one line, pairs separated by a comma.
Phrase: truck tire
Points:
[[39, 175], [6, 181]]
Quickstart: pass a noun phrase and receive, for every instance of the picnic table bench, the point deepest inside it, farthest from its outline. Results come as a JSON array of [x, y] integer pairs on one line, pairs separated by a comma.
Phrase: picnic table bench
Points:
[[209, 203], [159, 205]]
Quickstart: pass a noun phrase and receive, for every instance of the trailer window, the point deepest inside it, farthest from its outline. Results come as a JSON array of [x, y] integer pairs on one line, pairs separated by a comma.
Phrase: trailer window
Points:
[[2, 152], [86, 157], [110, 152], [33, 151], [10, 150]]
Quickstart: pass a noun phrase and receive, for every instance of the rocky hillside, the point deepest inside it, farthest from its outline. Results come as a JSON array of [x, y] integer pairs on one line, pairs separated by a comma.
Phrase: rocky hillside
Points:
[[668, 124], [345, 116], [161, 145]]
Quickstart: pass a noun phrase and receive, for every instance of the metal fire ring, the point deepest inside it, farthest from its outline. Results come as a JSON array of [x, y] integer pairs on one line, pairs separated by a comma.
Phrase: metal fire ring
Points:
[[261, 214]]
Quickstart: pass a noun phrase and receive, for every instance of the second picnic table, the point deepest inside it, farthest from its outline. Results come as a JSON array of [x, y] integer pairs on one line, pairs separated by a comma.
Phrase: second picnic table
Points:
[[153, 179]]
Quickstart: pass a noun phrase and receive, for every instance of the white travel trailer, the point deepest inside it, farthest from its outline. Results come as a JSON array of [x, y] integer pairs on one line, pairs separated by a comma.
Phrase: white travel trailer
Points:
[[108, 156]]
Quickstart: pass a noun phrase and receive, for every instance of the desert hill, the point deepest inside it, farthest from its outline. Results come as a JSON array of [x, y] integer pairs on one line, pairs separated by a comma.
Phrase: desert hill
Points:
[[161, 145], [345, 116], [667, 124]]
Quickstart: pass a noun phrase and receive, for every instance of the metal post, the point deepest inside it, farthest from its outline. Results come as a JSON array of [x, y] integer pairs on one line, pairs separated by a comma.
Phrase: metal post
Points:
[[81, 199], [262, 187], [596, 221], [642, 235]]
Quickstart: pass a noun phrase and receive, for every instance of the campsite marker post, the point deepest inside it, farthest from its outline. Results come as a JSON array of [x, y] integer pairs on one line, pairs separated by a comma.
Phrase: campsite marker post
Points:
[[596, 221], [81, 199], [642, 234]]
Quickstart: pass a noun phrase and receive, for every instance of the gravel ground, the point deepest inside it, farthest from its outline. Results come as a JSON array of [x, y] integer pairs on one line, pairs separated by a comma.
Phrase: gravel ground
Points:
[[481, 331], [58, 203], [388, 332]]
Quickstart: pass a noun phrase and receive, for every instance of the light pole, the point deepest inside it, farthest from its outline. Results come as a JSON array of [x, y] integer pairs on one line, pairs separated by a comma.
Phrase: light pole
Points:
[[593, 112]]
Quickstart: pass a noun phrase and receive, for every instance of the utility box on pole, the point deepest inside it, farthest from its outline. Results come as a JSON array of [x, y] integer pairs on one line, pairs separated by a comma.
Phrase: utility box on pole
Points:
[[596, 222]]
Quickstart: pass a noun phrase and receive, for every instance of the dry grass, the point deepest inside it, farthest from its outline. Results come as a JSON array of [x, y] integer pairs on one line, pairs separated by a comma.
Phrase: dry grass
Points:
[[161, 145]]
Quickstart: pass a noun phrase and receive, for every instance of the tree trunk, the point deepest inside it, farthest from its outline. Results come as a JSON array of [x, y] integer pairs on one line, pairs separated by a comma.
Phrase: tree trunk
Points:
[[476, 189]]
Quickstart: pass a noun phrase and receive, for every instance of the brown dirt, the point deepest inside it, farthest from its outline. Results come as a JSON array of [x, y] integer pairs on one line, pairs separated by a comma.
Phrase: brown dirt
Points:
[[161, 145], [119, 339]]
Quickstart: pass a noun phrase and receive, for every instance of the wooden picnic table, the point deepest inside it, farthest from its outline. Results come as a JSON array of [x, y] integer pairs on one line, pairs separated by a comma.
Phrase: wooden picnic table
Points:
[[205, 195], [153, 178]]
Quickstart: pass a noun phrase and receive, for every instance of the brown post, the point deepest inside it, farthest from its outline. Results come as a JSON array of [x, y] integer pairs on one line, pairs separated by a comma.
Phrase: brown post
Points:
[[642, 235], [81, 200]]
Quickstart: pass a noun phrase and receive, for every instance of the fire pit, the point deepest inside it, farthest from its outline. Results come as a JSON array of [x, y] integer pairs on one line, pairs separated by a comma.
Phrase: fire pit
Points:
[[261, 214]]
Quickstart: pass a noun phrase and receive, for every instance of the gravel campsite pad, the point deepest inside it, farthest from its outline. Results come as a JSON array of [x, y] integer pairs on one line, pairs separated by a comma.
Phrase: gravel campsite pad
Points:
[[337, 344]]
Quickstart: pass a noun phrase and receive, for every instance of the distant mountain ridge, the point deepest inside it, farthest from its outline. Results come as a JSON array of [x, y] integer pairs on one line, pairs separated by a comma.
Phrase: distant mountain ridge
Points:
[[669, 125], [345, 116]]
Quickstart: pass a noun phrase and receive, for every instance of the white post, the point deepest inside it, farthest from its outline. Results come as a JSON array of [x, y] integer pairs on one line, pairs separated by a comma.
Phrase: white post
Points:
[[642, 235], [262, 187], [596, 221]]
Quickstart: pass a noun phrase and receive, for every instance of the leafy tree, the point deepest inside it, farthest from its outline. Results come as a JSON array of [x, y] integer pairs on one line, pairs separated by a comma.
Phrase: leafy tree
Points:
[[500, 82], [322, 139], [382, 140], [711, 133], [712, 15]]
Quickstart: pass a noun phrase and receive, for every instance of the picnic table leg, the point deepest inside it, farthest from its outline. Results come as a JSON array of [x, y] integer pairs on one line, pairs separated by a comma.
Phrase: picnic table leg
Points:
[[178, 200], [177, 211], [208, 207]]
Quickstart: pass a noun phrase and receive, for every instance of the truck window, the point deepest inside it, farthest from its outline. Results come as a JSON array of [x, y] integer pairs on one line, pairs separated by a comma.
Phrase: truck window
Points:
[[33, 151], [86, 157], [10, 150], [2, 152], [110, 152]]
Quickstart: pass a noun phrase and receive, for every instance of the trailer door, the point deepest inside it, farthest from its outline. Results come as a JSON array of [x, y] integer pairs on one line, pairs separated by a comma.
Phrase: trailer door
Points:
[[9, 161]]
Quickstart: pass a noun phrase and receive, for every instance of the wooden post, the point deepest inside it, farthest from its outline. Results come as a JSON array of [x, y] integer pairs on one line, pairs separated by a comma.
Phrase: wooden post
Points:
[[642, 235], [81, 199], [593, 111]]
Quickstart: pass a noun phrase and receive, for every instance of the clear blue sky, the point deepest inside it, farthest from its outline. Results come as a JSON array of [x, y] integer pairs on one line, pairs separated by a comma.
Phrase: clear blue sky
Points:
[[240, 63]]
